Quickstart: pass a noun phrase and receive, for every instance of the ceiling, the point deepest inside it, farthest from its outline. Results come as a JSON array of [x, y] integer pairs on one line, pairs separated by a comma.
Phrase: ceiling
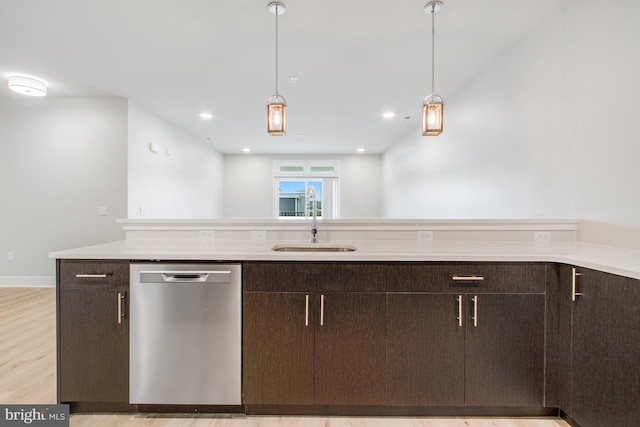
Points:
[[354, 60]]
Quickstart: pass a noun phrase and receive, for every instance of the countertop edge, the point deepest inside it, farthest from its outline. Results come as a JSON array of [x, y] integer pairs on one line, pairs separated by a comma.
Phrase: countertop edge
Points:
[[623, 262]]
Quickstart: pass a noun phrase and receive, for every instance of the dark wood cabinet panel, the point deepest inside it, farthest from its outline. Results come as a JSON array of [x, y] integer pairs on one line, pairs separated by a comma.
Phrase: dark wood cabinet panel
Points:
[[605, 380], [91, 274], [439, 277], [93, 347], [425, 350], [350, 349], [505, 350], [367, 346], [278, 348], [313, 277], [329, 352], [93, 331], [564, 307]]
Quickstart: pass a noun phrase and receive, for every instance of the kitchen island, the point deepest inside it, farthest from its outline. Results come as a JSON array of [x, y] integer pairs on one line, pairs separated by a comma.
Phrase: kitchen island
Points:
[[440, 317]]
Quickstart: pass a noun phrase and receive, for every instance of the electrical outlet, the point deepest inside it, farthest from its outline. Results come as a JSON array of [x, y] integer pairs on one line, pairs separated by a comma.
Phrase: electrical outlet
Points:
[[425, 236], [207, 234], [542, 236], [11, 256], [102, 211], [142, 211]]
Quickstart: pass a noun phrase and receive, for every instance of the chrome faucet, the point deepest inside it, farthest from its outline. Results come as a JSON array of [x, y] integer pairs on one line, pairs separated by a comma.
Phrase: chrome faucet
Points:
[[311, 192]]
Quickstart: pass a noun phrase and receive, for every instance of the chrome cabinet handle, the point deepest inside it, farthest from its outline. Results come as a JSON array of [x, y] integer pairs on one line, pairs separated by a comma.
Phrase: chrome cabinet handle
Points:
[[120, 311], [306, 311], [475, 311], [459, 299], [468, 278], [91, 276], [574, 283], [321, 310]]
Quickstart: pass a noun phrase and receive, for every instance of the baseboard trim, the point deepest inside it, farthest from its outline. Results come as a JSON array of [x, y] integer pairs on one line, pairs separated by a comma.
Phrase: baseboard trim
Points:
[[395, 411], [27, 282]]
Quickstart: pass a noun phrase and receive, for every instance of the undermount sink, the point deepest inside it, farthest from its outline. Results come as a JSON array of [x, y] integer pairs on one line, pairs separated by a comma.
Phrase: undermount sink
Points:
[[313, 247]]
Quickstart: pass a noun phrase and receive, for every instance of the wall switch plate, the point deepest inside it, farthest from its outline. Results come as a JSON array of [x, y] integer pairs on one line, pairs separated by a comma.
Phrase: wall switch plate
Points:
[[425, 236], [542, 236], [102, 211], [11, 256], [207, 234]]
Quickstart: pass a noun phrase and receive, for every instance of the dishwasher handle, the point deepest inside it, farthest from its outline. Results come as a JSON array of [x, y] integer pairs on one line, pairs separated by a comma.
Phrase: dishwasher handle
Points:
[[217, 276]]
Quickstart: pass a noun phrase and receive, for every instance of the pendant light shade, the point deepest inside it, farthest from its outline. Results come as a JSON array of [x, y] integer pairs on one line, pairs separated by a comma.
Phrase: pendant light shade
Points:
[[432, 115], [433, 105], [276, 104], [276, 115]]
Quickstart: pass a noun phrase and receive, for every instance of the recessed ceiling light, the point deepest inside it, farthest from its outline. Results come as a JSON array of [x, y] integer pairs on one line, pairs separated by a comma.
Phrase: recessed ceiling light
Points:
[[246, 150], [205, 115], [27, 86], [360, 150], [389, 114]]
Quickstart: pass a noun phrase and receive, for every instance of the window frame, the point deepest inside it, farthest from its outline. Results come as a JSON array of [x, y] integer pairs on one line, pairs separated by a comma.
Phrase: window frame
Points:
[[329, 178]]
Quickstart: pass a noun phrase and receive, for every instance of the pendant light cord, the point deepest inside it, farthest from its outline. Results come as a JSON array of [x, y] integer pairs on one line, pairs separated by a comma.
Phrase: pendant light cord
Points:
[[277, 6], [433, 44]]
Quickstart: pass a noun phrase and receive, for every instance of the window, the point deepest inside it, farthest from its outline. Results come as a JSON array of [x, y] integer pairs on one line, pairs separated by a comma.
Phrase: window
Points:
[[292, 182]]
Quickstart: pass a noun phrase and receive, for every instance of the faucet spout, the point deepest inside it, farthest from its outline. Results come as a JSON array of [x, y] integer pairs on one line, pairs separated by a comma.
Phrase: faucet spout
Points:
[[311, 193]]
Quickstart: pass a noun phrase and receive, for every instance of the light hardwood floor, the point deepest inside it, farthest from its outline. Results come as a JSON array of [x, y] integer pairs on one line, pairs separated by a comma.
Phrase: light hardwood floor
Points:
[[28, 366]]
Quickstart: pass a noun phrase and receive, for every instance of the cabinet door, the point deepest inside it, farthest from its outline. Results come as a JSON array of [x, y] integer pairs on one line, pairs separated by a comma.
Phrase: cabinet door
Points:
[[606, 350], [564, 315], [425, 350], [350, 349], [93, 346], [505, 350], [278, 348]]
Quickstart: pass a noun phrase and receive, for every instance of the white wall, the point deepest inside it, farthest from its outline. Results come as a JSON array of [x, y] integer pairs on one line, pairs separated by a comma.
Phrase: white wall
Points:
[[182, 180], [248, 184], [545, 131], [59, 160]]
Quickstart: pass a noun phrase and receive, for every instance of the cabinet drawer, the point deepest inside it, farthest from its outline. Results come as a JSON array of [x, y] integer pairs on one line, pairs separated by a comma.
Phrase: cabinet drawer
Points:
[[467, 277], [313, 277], [83, 274]]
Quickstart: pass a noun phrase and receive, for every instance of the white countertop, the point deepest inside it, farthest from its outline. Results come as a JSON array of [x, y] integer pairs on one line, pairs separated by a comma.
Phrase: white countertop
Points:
[[624, 262]]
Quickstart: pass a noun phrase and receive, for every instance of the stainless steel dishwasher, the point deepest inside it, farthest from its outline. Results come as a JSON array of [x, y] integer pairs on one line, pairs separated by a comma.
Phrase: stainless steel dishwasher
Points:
[[185, 334]]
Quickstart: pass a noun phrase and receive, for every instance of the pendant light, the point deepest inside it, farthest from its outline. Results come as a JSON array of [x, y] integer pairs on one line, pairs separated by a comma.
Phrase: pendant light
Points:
[[276, 104], [433, 105]]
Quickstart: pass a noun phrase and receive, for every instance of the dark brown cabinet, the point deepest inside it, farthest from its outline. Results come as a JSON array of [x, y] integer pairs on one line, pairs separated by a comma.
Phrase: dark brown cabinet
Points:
[[505, 350], [278, 348], [604, 349], [425, 350], [466, 334], [350, 349], [322, 346], [93, 331]]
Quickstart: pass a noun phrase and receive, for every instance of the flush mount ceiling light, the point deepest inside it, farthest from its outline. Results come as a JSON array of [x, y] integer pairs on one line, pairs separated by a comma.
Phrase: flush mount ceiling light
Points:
[[276, 104], [27, 86], [433, 105]]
